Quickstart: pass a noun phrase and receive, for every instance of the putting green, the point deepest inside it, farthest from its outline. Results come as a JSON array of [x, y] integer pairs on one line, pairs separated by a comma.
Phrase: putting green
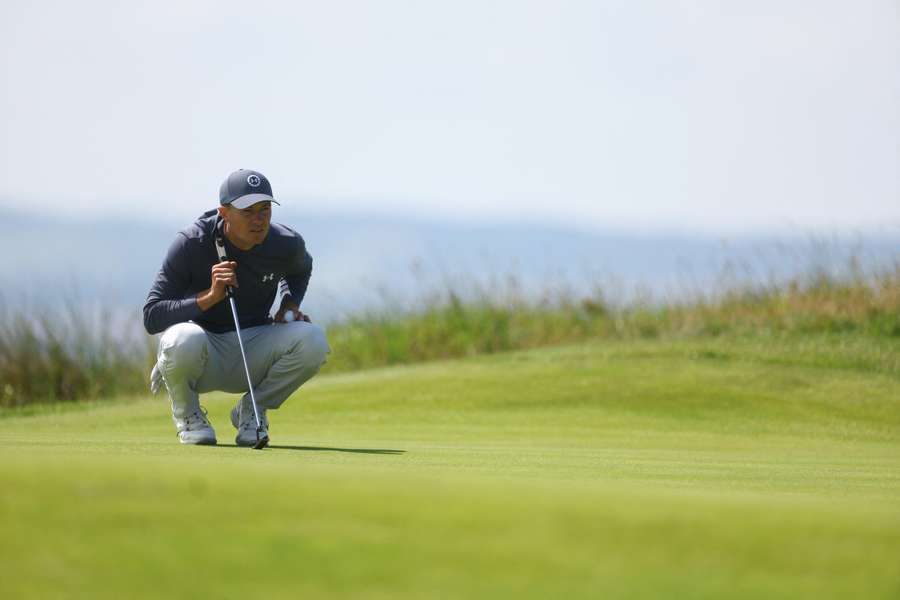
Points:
[[718, 468]]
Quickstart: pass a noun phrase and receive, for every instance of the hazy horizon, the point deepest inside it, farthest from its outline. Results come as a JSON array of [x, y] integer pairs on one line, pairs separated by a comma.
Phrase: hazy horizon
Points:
[[363, 263], [162, 214]]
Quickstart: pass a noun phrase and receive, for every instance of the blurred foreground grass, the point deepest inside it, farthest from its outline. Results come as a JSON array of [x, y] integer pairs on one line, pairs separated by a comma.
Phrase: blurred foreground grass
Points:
[[761, 466], [45, 358]]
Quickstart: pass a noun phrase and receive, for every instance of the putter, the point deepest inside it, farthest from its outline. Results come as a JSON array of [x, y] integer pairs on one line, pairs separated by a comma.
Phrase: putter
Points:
[[261, 440]]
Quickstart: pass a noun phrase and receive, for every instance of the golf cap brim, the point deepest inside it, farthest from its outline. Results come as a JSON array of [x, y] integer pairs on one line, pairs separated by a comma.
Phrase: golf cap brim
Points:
[[251, 199]]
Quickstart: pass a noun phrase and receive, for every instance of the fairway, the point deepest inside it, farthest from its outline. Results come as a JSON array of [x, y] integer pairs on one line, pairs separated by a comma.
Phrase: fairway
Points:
[[728, 467]]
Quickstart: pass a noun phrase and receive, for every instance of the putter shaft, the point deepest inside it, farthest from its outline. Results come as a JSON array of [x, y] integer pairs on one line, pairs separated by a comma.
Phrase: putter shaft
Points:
[[237, 328]]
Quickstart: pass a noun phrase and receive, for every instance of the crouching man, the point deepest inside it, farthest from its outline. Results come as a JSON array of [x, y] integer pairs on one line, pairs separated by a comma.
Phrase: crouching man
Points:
[[199, 351]]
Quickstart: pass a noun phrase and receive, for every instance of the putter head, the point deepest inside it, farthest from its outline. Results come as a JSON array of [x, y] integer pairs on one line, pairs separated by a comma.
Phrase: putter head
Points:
[[262, 440]]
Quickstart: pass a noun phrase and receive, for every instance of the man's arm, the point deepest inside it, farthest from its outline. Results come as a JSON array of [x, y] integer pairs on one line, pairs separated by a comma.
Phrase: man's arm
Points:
[[294, 283], [297, 278], [166, 303]]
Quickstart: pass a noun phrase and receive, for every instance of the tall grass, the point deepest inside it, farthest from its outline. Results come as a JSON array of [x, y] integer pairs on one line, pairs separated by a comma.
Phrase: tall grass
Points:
[[448, 327], [46, 358], [52, 356]]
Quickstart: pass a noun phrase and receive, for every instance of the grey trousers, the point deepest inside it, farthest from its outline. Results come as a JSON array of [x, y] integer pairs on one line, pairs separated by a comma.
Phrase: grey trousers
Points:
[[281, 358]]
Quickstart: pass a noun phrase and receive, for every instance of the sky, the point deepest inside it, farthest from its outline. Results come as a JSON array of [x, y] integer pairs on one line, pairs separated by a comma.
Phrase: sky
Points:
[[708, 116]]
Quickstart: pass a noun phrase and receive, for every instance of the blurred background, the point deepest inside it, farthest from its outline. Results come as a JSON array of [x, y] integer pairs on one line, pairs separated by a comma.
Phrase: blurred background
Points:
[[631, 150]]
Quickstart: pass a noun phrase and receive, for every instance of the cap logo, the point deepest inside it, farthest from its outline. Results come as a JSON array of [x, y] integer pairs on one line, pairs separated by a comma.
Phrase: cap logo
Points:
[[253, 180]]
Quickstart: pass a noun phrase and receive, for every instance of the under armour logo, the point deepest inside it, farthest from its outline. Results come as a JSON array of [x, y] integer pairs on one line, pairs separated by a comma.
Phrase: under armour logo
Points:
[[269, 277], [253, 180]]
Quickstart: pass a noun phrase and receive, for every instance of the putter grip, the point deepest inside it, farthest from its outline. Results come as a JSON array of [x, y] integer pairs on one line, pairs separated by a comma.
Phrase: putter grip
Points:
[[229, 291], [220, 250]]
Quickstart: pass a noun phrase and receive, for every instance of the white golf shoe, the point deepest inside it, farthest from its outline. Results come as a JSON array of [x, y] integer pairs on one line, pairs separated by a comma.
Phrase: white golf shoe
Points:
[[243, 420], [194, 428]]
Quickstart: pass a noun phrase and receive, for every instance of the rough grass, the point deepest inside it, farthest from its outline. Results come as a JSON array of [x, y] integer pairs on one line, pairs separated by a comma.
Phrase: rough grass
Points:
[[739, 466], [448, 327], [48, 358]]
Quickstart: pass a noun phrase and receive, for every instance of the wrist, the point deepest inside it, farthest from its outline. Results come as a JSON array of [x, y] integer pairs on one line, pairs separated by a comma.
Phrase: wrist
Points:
[[208, 299], [289, 304]]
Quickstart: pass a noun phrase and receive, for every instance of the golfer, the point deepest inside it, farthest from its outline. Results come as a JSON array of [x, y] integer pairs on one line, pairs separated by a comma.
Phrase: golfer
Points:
[[198, 349]]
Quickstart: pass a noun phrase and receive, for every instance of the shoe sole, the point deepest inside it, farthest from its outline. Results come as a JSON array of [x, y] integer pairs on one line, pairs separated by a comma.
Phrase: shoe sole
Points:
[[199, 443], [257, 445]]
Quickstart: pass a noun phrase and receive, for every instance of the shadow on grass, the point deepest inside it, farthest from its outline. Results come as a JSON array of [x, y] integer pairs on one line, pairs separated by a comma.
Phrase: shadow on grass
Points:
[[327, 449]]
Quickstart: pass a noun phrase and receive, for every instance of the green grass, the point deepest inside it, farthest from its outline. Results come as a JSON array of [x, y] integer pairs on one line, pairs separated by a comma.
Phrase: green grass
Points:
[[47, 357], [755, 466]]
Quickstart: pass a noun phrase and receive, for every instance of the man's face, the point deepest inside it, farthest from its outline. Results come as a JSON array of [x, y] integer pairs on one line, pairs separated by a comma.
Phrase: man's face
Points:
[[248, 226]]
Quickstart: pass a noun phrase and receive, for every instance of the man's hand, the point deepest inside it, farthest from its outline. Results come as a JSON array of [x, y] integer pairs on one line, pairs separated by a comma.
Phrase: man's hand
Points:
[[290, 308], [222, 276]]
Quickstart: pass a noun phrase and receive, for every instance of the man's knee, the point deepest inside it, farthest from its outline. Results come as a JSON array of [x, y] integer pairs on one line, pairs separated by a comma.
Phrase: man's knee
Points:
[[313, 347], [183, 348]]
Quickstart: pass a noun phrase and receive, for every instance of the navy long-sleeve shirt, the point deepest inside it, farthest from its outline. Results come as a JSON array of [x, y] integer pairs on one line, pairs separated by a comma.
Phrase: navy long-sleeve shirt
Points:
[[279, 262]]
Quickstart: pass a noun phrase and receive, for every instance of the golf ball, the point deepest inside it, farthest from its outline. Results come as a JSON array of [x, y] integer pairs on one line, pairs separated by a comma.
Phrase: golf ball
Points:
[[289, 316]]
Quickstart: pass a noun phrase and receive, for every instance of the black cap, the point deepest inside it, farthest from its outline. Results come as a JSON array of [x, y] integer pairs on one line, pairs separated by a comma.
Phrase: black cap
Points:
[[244, 188]]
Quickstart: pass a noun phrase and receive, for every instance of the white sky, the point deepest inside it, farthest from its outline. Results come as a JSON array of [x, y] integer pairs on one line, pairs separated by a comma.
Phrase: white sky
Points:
[[705, 115]]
